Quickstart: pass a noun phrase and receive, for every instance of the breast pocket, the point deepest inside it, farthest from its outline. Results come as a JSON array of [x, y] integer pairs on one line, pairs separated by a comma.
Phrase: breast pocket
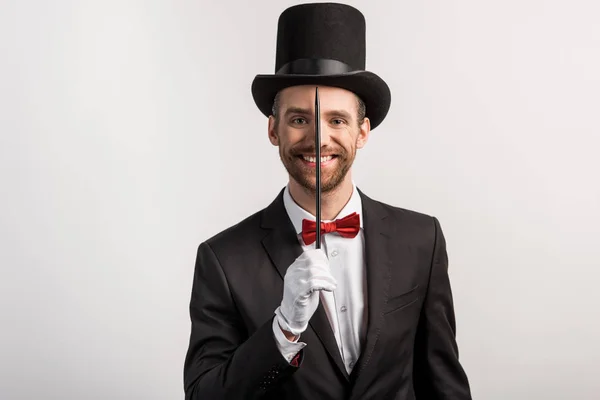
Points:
[[402, 300]]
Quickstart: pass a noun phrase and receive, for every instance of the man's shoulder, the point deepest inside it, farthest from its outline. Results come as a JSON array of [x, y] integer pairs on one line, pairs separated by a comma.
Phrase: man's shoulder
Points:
[[248, 229], [414, 225], [398, 213]]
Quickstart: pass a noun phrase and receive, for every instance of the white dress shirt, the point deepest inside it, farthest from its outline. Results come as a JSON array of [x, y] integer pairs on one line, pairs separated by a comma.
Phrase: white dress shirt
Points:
[[345, 307]]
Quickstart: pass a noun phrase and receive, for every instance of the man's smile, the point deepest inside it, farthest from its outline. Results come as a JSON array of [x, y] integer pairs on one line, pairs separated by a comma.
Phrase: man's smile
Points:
[[312, 160]]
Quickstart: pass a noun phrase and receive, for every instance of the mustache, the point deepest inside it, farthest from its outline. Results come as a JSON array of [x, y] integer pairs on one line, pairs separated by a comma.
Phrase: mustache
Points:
[[300, 150]]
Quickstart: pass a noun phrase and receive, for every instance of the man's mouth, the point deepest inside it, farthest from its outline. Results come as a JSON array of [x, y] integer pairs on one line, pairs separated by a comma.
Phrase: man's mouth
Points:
[[312, 160]]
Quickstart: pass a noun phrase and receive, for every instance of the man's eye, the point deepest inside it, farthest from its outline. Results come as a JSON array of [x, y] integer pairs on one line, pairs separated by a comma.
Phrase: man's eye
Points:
[[299, 121], [337, 121]]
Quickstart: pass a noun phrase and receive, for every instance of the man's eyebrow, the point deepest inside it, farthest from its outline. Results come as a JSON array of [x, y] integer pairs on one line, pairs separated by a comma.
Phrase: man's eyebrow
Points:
[[306, 111], [298, 110], [338, 113]]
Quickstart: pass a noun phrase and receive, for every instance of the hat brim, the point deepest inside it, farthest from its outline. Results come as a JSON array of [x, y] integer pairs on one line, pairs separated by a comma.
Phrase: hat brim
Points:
[[373, 91]]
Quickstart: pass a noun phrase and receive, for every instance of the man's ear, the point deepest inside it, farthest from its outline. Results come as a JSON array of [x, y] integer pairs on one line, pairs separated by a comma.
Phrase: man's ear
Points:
[[272, 131], [363, 133]]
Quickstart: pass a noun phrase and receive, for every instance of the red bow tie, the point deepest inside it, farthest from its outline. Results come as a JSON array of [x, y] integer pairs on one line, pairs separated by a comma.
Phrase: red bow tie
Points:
[[348, 227]]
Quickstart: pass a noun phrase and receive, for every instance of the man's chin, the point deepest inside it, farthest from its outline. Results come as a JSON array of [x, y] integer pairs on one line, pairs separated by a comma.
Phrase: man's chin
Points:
[[330, 180], [310, 185]]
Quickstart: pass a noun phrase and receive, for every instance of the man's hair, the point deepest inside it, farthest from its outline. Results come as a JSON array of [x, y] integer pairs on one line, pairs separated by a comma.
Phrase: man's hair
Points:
[[361, 107]]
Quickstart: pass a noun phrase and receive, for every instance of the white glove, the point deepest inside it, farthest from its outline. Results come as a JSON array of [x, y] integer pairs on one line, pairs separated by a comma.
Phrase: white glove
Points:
[[303, 280]]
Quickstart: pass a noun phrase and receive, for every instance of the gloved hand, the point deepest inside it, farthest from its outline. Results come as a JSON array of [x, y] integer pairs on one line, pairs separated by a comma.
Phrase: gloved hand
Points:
[[304, 279]]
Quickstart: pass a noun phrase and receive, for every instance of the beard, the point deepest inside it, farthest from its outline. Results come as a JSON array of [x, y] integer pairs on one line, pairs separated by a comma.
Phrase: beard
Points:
[[306, 176]]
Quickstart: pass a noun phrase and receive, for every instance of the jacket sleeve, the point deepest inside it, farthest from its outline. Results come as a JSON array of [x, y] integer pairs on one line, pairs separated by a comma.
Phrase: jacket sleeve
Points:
[[223, 360], [438, 374]]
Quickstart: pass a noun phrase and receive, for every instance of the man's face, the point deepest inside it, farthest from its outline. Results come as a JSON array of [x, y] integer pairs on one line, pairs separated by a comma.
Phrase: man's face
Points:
[[341, 134]]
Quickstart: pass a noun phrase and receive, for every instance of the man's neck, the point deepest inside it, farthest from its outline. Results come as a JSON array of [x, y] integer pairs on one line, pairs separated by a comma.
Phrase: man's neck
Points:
[[331, 203]]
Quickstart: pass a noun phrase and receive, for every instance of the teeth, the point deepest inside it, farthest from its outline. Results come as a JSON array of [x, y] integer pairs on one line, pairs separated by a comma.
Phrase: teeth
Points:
[[314, 159]]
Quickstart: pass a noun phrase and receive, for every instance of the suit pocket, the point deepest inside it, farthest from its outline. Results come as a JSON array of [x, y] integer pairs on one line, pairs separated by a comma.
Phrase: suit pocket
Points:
[[402, 300]]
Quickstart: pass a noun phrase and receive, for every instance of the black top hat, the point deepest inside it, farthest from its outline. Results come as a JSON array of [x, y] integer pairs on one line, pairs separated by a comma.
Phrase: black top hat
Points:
[[324, 44]]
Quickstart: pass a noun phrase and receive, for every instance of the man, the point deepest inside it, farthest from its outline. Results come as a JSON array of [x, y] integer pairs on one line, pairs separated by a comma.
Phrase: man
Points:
[[369, 315]]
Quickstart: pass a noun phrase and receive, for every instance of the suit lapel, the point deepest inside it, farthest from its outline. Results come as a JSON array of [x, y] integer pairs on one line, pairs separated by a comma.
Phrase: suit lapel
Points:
[[280, 242], [377, 233], [282, 246]]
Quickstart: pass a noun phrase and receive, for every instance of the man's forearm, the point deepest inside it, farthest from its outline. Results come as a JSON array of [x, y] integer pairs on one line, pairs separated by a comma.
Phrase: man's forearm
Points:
[[438, 374], [222, 362], [287, 343], [250, 370]]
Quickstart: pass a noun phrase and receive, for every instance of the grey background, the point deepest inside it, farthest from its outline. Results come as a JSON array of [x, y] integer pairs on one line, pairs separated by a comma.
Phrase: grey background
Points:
[[128, 135]]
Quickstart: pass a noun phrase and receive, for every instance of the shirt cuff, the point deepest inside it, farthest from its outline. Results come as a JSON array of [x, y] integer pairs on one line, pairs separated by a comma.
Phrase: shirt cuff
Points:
[[287, 348]]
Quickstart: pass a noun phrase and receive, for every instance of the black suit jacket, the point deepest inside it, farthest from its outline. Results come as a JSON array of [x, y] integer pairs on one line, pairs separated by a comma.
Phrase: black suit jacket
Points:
[[410, 350]]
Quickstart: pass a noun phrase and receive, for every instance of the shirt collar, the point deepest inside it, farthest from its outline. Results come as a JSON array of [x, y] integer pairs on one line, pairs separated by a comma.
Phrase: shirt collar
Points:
[[297, 213]]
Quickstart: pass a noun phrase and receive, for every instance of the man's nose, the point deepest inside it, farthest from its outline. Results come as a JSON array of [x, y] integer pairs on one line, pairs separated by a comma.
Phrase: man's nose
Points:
[[325, 135]]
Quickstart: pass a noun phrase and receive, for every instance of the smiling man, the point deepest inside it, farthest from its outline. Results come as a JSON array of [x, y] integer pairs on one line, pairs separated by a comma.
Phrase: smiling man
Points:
[[370, 314], [344, 129]]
